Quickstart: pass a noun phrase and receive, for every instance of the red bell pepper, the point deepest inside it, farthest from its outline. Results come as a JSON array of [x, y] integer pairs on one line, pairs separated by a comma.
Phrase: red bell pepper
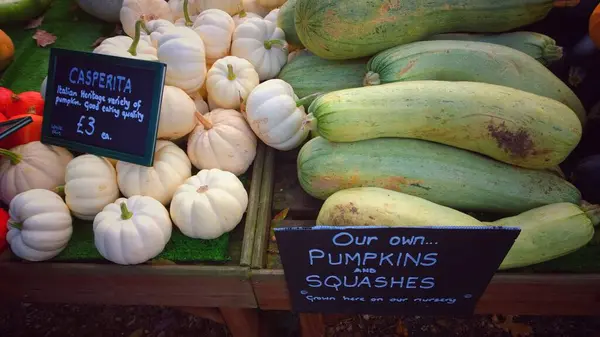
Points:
[[3, 228], [29, 133]]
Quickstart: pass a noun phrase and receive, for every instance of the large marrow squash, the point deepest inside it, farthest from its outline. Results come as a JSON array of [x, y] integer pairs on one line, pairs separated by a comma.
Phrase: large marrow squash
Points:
[[507, 124], [345, 29]]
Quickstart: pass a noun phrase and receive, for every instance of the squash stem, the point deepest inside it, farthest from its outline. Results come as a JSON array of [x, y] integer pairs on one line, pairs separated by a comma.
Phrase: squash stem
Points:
[[302, 101], [270, 43], [552, 53], [15, 158], [230, 74], [125, 213], [371, 78], [136, 39], [309, 122], [16, 225], [204, 121], [60, 190], [242, 14], [186, 14], [592, 212]]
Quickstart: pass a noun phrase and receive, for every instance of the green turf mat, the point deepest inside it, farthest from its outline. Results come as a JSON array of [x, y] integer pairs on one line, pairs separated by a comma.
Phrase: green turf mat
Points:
[[180, 248], [74, 30]]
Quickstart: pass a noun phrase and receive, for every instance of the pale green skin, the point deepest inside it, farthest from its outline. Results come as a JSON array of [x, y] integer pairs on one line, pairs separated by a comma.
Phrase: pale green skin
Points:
[[507, 124], [539, 46], [285, 21], [442, 174], [21, 10], [309, 74], [472, 61], [546, 233], [345, 29]]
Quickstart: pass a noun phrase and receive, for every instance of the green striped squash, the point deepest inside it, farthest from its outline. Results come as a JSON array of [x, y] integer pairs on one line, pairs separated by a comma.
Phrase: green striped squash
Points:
[[346, 29], [286, 21], [470, 61], [442, 174]]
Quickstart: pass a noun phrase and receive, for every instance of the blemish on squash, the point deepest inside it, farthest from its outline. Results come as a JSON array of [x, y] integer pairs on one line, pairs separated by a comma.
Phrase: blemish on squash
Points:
[[408, 67], [518, 143], [101, 188]]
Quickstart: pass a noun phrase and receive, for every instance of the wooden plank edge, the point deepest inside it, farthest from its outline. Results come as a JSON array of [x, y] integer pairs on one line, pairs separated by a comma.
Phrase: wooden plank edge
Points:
[[263, 220], [253, 202]]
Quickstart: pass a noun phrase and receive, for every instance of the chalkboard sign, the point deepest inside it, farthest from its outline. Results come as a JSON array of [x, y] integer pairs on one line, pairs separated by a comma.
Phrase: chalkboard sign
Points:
[[384, 270], [104, 105]]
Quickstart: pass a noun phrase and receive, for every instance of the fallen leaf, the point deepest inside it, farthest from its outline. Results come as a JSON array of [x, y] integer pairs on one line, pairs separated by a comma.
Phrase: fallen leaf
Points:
[[277, 219], [35, 23], [43, 38], [137, 333], [401, 330], [515, 329], [98, 41], [161, 262]]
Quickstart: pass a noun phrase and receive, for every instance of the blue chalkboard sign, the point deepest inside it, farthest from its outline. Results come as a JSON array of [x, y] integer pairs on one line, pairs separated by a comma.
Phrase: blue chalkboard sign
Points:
[[104, 105], [387, 271]]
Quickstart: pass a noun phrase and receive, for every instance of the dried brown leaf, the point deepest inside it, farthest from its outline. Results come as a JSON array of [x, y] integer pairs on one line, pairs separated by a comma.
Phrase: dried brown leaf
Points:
[[277, 219], [35, 23], [161, 262], [98, 41], [43, 38], [514, 328], [137, 333], [401, 329]]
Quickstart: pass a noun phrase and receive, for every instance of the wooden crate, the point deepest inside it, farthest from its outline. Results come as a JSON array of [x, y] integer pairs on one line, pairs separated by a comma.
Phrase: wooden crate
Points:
[[560, 287], [194, 285]]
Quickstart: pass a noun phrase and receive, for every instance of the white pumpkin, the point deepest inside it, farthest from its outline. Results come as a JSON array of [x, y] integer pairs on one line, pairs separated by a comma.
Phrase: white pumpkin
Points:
[[229, 6], [263, 44], [244, 15], [177, 7], [215, 27], [230, 80], [140, 47], [171, 168], [272, 16], [131, 231], [182, 50], [29, 166], [40, 225], [222, 140], [271, 3], [209, 204], [90, 184], [252, 6], [276, 115], [177, 114], [133, 10]]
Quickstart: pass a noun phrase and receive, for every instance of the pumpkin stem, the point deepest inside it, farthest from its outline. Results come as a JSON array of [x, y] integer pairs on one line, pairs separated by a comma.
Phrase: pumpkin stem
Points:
[[552, 52], [15, 158], [202, 189], [16, 225], [592, 212], [15, 98], [136, 39], [269, 43], [230, 74], [565, 3], [125, 213], [205, 122], [309, 98], [186, 14], [371, 78], [60, 190]]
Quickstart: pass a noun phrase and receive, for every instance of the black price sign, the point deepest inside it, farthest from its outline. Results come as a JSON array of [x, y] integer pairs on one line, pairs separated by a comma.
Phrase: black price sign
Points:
[[384, 270], [104, 105]]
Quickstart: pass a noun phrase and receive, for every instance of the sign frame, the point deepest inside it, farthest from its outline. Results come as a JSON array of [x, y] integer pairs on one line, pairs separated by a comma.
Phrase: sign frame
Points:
[[155, 104]]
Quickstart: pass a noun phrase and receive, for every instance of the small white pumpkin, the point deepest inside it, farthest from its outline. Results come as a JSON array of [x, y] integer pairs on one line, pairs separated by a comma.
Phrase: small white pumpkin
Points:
[[244, 15], [229, 6], [171, 168], [271, 3], [133, 10], [276, 115], [90, 184], [177, 7], [177, 114], [133, 230], [251, 6], [123, 46], [209, 204], [272, 16], [230, 80], [215, 27], [182, 50], [263, 44], [40, 225], [222, 140], [32, 165]]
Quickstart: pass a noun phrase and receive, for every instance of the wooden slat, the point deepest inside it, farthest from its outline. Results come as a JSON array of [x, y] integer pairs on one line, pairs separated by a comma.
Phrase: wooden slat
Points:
[[263, 218], [193, 286], [516, 294], [253, 200]]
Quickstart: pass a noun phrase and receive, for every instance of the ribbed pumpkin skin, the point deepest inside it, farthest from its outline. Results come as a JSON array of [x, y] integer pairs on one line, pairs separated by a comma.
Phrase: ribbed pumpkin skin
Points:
[[345, 29], [539, 46], [475, 62], [507, 124], [442, 174], [286, 21], [547, 232], [309, 74]]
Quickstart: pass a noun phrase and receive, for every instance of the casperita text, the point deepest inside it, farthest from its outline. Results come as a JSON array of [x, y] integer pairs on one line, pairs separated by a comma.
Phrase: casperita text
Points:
[[100, 80]]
